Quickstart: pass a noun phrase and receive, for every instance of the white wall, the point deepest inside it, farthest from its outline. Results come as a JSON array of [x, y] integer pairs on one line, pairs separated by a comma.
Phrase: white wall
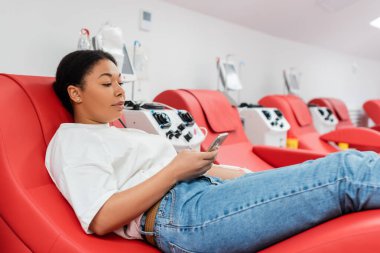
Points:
[[182, 48]]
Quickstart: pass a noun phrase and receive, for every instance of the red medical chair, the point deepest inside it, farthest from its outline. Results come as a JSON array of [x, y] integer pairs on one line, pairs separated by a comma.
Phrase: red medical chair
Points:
[[211, 109], [34, 217], [372, 108], [339, 109], [236, 150], [301, 127]]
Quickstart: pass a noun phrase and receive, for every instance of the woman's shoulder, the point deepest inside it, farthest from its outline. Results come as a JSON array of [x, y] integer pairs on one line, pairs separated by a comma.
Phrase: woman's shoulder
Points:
[[73, 128], [81, 126], [75, 132], [76, 142]]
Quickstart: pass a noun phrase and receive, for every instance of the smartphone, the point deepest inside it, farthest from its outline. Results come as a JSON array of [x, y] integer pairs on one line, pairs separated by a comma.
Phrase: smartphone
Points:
[[217, 142]]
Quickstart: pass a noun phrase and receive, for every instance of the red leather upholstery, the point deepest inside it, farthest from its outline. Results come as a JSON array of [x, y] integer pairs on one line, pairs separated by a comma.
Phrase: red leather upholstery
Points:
[[353, 233], [339, 109], [372, 108], [236, 150], [298, 116], [359, 138], [281, 157], [211, 102], [34, 215]]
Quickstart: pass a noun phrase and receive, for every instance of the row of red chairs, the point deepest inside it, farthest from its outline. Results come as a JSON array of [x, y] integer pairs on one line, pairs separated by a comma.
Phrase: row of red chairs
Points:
[[337, 106], [34, 216], [211, 109], [297, 113]]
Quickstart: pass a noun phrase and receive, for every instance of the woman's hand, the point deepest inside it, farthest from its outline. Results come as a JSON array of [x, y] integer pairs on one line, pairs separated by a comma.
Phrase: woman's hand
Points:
[[191, 164]]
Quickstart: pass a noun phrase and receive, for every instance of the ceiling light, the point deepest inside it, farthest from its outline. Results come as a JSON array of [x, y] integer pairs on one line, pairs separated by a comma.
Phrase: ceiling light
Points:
[[375, 23]]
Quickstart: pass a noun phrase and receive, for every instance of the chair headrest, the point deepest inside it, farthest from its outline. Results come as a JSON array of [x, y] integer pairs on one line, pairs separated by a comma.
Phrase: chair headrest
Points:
[[218, 111], [300, 110], [372, 108], [325, 102], [49, 109], [340, 109]]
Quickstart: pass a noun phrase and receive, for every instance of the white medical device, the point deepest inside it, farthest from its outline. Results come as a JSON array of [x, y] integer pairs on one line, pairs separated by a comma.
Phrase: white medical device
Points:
[[229, 75], [323, 118], [177, 126], [264, 126], [291, 82]]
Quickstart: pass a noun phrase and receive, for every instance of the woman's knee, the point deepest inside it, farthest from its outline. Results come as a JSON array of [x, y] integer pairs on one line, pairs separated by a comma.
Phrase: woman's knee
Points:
[[354, 160]]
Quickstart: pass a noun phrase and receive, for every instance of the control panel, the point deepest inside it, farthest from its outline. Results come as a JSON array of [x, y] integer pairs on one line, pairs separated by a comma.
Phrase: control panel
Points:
[[176, 125], [323, 118], [265, 126]]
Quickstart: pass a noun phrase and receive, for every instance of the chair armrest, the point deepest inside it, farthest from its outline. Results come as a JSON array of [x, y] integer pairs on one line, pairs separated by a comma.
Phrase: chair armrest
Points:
[[354, 136], [280, 157]]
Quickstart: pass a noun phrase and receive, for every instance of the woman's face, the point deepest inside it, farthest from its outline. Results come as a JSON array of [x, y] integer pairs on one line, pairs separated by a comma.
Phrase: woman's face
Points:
[[101, 100]]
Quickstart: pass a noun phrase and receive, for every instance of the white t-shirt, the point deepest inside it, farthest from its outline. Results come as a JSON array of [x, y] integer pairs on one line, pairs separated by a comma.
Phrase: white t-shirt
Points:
[[90, 162]]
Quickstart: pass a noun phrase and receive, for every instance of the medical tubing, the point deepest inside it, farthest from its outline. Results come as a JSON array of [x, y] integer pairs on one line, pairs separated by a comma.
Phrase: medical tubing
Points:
[[204, 133]]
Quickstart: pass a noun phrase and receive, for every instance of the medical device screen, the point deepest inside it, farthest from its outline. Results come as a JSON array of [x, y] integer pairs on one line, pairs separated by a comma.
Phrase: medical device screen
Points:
[[127, 66], [231, 77]]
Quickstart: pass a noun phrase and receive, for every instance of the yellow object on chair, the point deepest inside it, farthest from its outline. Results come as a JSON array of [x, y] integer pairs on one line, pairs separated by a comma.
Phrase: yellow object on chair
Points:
[[292, 143], [343, 145]]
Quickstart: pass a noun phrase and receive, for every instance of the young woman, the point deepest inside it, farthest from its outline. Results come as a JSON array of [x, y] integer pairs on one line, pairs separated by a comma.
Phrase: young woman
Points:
[[136, 185]]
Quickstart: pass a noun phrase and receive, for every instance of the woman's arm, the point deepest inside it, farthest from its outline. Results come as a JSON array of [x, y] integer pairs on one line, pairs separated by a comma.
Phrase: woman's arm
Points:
[[122, 207], [225, 172]]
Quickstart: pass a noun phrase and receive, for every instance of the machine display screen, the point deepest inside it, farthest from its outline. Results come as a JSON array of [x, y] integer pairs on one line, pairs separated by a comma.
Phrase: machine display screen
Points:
[[291, 82], [127, 71], [127, 66], [231, 77]]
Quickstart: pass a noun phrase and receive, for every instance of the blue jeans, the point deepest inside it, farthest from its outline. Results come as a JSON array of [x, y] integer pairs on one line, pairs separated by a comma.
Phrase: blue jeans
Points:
[[254, 211]]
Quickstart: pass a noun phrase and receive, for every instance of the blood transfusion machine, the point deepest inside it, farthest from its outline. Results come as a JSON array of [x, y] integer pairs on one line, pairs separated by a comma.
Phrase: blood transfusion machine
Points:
[[264, 126], [177, 126], [323, 119]]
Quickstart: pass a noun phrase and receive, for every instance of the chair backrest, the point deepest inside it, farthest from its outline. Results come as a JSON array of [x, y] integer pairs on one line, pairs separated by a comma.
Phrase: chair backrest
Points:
[[210, 109], [297, 114], [372, 108], [30, 204], [339, 109]]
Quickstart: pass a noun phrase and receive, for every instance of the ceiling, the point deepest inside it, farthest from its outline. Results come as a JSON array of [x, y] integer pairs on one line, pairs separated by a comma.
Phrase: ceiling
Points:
[[341, 25]]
